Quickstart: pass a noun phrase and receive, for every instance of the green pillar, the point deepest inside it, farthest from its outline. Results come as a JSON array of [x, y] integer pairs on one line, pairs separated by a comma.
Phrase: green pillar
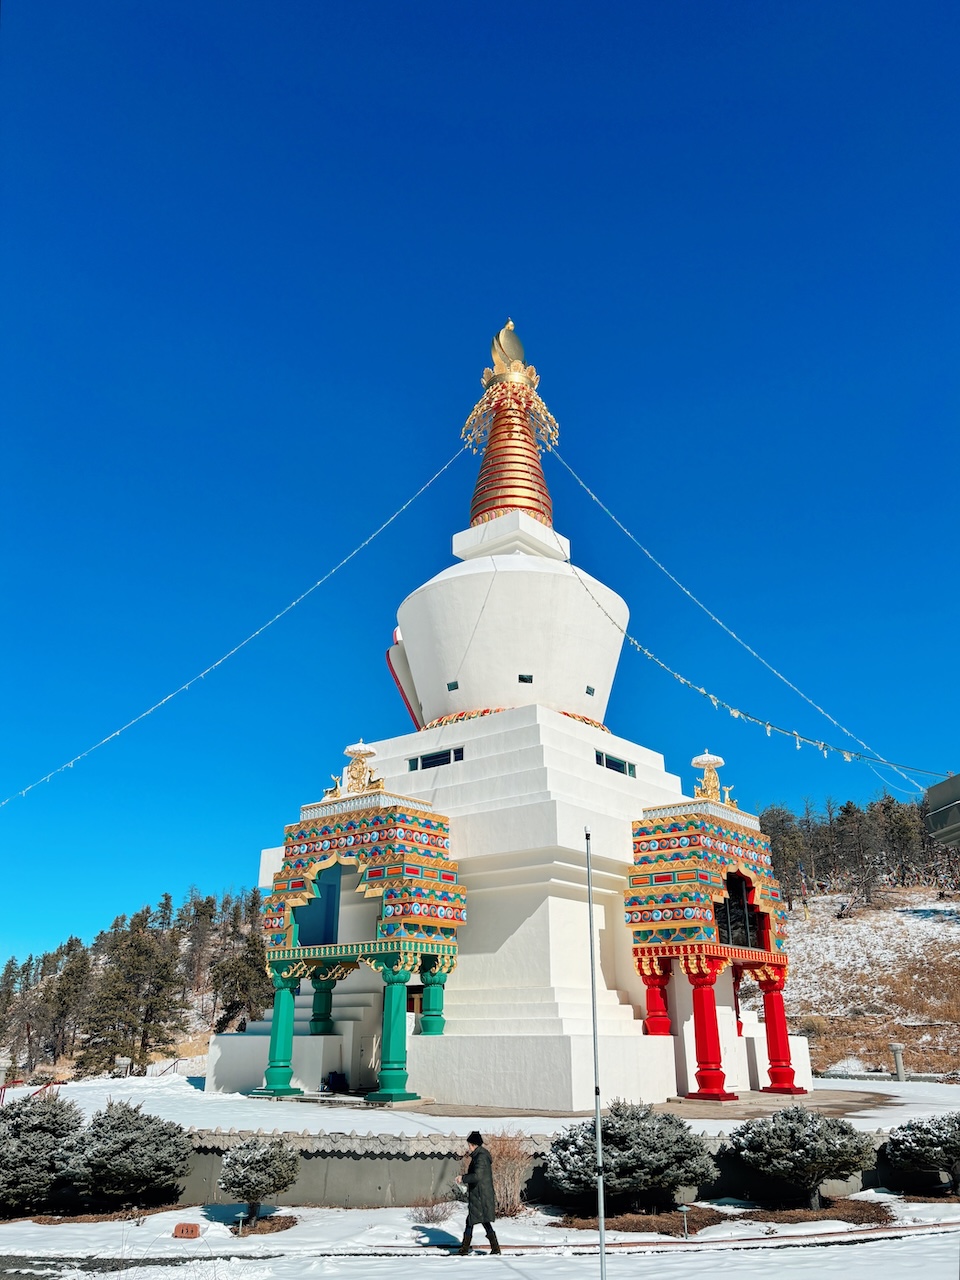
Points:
[[432, 1020], [279, 1072], [321, 1024], [392, 1081]]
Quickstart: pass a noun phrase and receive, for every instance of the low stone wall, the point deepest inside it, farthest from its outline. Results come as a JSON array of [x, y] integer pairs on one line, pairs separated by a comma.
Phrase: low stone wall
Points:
[[342, 1170], [351, 1170]]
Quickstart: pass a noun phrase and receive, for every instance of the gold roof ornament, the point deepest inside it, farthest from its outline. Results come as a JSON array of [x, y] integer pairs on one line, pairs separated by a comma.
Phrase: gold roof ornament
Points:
[[708, 787], [511, 424], [359, 775]]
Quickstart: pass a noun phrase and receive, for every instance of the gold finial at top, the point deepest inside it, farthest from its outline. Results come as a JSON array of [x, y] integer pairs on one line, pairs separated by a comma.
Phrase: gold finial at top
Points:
[[506, 351]]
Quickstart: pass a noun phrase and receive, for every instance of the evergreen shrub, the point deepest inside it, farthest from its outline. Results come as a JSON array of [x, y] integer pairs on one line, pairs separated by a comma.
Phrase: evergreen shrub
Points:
[[931, 1145], [803, 1148], [258, 1169], [126, 1158], [647, 1157], [38, 1138]]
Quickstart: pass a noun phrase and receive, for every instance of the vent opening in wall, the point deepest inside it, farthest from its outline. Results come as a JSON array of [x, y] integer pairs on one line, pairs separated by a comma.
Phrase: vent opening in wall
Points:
[[525, 679], [452, 686], [590, 691]]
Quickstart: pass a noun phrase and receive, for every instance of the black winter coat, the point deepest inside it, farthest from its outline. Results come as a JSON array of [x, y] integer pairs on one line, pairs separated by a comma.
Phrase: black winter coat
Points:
[[482, 1200]]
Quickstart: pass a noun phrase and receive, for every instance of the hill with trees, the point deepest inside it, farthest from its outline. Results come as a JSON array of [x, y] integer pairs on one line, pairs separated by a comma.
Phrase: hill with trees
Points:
[[144, 986]]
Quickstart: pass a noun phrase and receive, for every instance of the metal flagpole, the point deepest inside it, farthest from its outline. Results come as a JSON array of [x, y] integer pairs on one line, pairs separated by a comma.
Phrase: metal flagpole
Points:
[[596, 1065]]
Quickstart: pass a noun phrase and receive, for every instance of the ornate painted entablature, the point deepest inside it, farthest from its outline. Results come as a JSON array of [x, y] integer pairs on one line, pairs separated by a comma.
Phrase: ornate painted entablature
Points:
[[400, 849], [681, 893]]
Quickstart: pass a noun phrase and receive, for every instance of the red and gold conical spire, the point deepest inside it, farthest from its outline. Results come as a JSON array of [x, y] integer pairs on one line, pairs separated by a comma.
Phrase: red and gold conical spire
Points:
[[510, 423]]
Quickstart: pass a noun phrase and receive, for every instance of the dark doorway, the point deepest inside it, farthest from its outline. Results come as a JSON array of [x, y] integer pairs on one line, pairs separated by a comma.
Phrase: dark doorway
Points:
[[739, 923]]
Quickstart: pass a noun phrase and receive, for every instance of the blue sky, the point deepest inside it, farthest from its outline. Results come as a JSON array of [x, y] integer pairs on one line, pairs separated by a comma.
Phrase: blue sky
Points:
[[251, 258]]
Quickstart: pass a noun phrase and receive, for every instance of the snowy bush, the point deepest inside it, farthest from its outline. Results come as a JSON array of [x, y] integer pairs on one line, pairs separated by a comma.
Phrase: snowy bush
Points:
[[258, 1169], [646, 1156], [127, 1158], [928, 1146], [37, 1140], [804, 1148]]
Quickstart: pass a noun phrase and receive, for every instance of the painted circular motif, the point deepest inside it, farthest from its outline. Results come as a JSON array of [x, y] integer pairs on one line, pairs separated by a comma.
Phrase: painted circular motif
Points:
[[684, 841], [349, 840], [325, 845], [415, 909], [635, 917], [674, 842], [388, 910], [668, 914], [688, 913], [656, 914], [644, 846], [654, 845]]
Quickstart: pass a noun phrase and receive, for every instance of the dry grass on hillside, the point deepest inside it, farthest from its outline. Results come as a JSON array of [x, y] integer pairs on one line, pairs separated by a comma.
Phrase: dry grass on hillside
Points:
[[889, 973]]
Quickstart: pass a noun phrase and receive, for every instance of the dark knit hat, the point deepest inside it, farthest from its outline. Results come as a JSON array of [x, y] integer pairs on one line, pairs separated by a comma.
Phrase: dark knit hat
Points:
[[475, 1139]]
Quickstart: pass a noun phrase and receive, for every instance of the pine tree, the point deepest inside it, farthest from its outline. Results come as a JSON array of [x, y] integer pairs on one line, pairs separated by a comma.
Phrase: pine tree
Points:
[[931, 1145], [135, 1009], [257, 1169], [804, 1148], [646, 1156], [127, 1158], [241, 984], [66, 998], [37, 1141]]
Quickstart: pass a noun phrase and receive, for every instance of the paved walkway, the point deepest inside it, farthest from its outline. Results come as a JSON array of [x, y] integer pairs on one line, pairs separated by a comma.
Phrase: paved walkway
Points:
[[830, 1102]]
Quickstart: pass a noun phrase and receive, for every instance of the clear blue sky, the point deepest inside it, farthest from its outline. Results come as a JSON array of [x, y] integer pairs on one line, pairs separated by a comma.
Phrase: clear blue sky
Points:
[[251, 258]]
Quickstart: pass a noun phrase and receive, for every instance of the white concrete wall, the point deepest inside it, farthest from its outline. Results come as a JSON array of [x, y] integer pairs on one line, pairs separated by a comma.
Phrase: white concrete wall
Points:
[[550, 1072], [486, 621]]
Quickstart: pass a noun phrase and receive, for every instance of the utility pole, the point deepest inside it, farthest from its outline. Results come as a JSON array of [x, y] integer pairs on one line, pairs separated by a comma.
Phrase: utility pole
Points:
[[596, 1063]]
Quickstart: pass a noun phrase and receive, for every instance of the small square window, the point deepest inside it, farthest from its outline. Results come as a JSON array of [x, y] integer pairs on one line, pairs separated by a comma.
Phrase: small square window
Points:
[[414, 764], [525, 679], [452, 685], [590, 691], [599, 755], [458, 753], [632, 770]]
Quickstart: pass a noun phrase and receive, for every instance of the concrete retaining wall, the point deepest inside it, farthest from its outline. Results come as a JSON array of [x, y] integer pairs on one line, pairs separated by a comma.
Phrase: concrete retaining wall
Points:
[[380, 1170]]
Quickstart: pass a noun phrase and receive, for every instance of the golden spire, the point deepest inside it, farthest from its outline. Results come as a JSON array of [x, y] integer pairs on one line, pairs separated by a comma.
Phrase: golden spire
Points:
[[510, 423]]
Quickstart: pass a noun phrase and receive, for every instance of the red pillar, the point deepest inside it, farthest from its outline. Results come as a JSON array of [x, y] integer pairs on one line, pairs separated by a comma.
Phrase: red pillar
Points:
[[703, 972], [655, 973], [772, 982]]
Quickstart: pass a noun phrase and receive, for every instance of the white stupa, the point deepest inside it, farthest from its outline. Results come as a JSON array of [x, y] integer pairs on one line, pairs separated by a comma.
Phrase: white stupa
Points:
[[506, 662]]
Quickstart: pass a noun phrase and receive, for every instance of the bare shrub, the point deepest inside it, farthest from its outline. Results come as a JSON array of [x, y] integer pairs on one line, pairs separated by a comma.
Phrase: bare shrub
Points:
[[430, 1210], [511, 1166], [812, 1026]]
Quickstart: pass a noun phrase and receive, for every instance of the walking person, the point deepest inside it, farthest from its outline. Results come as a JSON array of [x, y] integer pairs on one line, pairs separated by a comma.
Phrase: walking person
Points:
[[481, 1197]]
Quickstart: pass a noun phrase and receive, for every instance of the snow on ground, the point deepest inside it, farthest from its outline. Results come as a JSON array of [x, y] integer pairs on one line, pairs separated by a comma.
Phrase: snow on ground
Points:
[[318, 1245], [934, 1259], [354, 1242], [825, 951], [174, 1098]]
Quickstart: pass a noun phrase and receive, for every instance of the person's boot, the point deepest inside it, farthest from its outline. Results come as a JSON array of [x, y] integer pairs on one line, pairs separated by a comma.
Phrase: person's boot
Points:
[[464, 1247], [494, 1242]]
